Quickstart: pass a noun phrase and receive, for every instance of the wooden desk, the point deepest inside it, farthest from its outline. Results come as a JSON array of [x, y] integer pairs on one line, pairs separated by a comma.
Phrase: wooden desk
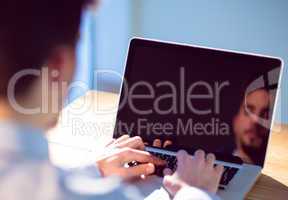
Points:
[[273, 183], [87, 125]]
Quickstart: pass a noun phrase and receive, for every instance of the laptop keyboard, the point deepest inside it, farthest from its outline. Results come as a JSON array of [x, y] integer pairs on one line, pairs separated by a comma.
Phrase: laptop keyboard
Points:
[[228, 174]]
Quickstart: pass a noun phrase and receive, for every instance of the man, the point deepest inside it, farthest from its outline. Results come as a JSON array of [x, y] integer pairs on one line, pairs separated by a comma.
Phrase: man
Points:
[[250, 126], [251, 135], [37, 45]]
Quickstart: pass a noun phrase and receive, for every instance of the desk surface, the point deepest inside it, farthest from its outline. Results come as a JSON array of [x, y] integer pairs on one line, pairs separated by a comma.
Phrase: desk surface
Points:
[[87, 125]]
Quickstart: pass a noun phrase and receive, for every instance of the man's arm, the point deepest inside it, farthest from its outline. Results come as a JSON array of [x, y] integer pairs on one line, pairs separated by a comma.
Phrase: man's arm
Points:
[[198, 181], [192, 193], [87, 183]]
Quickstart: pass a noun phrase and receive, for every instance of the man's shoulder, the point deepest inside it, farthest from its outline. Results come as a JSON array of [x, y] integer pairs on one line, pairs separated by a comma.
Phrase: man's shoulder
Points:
[[31, 179]]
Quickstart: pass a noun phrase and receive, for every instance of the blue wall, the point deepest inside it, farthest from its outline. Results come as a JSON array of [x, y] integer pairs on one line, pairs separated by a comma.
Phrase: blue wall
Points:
[[113, 31], [85, 57]]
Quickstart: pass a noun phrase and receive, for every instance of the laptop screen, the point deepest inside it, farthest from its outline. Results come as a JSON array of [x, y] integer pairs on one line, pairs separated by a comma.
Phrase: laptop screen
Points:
[[184, 97]]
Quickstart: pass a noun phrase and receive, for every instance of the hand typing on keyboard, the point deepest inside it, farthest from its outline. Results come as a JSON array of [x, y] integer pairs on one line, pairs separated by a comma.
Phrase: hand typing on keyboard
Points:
[[198, 171], [127, 150]]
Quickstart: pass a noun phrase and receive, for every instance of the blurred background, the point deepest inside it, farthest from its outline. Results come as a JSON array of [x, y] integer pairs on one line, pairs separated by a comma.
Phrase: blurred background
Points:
[[258, 26]]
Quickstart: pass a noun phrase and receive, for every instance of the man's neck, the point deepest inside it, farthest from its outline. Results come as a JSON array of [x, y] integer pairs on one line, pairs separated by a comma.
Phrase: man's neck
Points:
[[7, 113], [5, 110]]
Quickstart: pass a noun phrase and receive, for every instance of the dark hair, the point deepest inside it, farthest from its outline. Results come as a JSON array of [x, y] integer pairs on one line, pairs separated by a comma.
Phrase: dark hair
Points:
[[243, 92], [30, 29]]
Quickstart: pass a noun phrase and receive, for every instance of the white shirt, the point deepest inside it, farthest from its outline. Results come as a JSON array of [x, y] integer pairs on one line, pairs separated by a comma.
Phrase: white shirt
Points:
[[27, 174]]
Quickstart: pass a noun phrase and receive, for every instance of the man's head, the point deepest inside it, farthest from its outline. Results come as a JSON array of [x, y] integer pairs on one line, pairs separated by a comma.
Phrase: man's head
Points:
[[36, 34], [250, 133]]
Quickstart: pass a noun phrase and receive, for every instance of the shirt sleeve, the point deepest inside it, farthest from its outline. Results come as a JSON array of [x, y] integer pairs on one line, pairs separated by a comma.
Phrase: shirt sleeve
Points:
[[192, 193], [87, 183]]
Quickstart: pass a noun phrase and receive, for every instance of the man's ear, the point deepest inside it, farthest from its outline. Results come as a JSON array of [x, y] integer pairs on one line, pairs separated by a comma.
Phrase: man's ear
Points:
[[94, 4], [61, 60]]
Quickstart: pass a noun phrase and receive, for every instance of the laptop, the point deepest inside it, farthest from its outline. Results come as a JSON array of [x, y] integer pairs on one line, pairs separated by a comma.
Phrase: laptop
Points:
[[178, 96]]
